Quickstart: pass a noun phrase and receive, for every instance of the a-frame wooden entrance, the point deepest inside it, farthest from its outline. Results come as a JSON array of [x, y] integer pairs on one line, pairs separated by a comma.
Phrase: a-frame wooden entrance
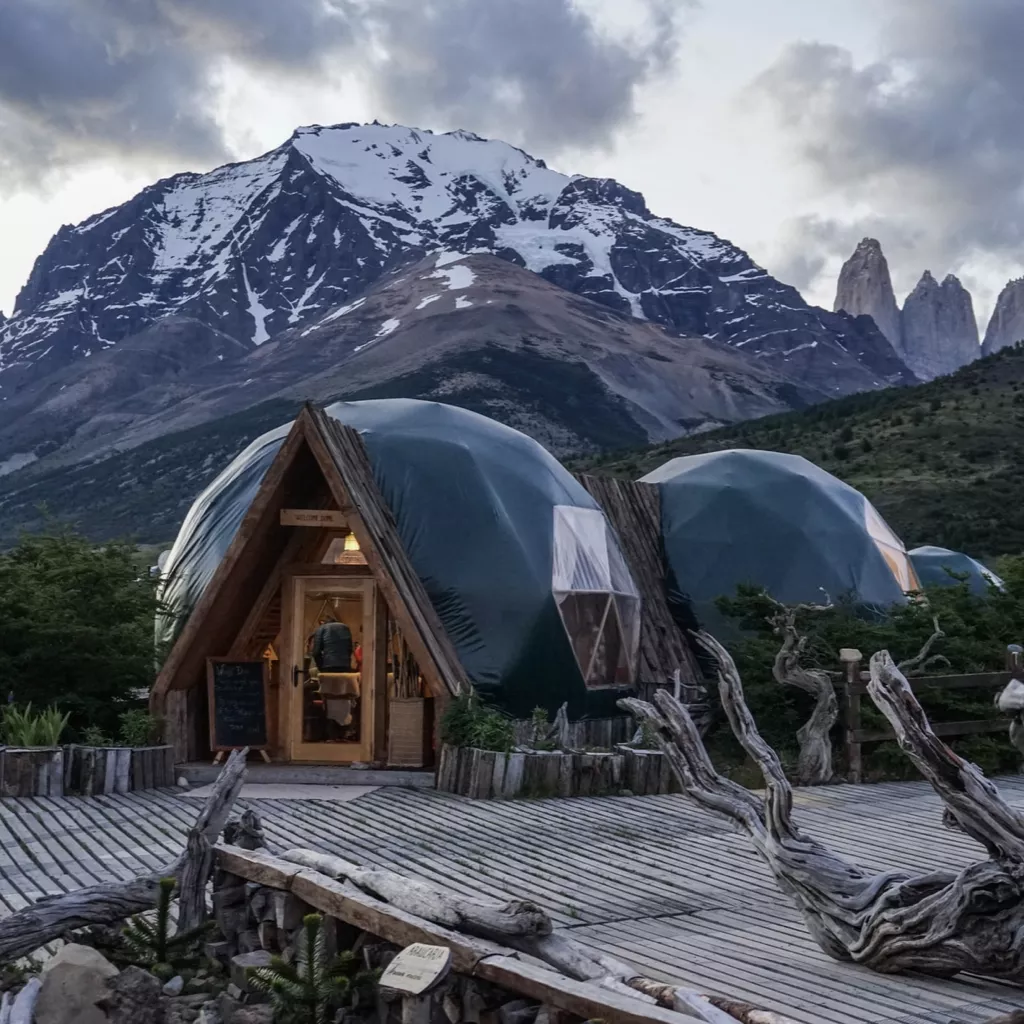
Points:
[[257, 604]]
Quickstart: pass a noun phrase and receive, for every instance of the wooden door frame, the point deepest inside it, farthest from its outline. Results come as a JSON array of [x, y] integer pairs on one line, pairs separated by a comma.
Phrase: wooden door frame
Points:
[[296, 584]]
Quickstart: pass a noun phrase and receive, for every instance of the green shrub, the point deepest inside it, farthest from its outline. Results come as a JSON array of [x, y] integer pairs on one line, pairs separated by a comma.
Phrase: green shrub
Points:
[[138, 729], [312, 989], [468, 722], [21, 727]]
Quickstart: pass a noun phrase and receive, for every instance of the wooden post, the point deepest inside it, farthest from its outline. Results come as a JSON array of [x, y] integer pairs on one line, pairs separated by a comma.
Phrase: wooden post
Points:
[[851, 660], [1015, 660]]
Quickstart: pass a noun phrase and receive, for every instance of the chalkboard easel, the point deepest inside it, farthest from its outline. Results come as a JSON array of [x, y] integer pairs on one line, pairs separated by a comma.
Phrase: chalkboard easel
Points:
[[238, 693]]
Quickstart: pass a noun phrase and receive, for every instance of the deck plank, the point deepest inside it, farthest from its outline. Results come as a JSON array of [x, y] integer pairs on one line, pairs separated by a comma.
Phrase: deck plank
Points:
[[653, 880]]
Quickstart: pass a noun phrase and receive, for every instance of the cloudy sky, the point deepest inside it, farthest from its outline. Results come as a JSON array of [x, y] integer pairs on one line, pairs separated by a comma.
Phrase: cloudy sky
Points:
[[792, 128]]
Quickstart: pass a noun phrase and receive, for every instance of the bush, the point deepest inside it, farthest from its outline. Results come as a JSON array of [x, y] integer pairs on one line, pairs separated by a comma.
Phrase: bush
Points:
[[20, 727], [76, 628], [468, 722]]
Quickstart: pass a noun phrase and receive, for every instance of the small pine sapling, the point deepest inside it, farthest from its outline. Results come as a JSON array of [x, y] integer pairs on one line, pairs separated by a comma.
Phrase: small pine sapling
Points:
[[311, 989], [150, 944]]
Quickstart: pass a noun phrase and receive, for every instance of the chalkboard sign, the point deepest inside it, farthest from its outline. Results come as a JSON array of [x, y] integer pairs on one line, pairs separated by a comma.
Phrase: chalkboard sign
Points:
[[238, 703]]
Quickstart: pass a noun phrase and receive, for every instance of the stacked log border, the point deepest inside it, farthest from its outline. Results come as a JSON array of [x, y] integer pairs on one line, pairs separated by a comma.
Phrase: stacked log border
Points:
[[492, 775], [89, 771], [31, 771], [93, 771]]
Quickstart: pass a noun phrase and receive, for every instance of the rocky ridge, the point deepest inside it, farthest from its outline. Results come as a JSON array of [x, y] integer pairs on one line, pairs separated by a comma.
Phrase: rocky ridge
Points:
[[939, 329], [1006, 325], [936, 331], [865, 289]]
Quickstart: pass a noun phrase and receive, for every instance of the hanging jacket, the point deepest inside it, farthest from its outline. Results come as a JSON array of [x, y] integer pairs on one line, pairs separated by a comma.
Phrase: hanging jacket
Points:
[[332, 647]]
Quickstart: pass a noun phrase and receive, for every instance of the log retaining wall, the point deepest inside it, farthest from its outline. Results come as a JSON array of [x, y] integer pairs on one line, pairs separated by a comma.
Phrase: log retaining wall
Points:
[[492, 775]]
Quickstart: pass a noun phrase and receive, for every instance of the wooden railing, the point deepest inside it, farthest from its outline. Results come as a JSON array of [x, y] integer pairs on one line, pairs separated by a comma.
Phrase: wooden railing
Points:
[[855, 688]]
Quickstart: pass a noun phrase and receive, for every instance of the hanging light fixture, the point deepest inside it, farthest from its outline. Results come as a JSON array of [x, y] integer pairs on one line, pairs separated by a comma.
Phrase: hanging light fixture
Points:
[[350, 553]]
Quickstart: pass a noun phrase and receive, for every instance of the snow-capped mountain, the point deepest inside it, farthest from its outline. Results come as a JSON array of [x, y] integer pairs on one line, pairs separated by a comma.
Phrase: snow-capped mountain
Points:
[[256, 248]]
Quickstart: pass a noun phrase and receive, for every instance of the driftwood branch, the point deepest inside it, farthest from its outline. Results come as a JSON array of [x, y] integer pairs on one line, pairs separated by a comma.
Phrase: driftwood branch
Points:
[[51, 917], [924, 659], [814, 764], [1010, 701], [527, 928], [940, 923]]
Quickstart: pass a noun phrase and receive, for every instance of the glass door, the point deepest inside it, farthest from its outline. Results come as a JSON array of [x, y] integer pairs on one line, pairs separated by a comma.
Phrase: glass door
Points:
[[332, 676]]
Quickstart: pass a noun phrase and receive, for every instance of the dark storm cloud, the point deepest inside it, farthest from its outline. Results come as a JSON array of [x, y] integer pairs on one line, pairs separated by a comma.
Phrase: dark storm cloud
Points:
[[137, 78], [929, 137], [80, 78], [540, 69]]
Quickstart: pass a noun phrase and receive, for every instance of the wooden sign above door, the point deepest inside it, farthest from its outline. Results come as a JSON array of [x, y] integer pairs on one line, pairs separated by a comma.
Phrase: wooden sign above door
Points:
[[323, 517]]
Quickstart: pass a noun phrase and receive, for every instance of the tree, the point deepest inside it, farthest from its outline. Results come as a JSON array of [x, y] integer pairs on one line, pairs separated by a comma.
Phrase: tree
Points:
[[76, 627]]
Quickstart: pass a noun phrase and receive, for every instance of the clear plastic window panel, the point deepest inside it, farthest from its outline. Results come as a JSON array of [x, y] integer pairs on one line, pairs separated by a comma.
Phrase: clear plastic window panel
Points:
[[891, 548], [598, 601]]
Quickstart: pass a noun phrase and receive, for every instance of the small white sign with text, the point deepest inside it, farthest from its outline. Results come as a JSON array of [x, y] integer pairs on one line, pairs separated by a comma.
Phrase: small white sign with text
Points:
[[416, 968]]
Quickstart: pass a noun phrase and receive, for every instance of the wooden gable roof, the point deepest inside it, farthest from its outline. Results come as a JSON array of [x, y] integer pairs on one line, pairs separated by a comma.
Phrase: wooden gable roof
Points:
[[317, 450]]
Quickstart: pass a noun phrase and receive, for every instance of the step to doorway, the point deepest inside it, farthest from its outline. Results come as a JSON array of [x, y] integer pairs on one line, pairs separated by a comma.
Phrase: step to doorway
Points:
[[203, 774]]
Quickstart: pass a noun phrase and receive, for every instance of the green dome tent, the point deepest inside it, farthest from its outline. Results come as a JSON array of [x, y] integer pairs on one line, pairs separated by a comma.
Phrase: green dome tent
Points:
[[517, 559], [931, 565], [776, 521]]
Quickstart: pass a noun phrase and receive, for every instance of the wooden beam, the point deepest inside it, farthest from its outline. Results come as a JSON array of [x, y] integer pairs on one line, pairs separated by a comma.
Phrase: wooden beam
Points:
[[974, 681], [270, 587], [473, 956], [329, 518], [973, 727]]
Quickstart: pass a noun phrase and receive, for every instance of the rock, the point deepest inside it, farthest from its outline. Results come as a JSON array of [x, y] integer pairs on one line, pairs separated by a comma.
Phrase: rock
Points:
[[228, 1005], [257, 1013], [210, 1014], [1006, 325], [518, 1011], [865, 288], [175, 986], [940, 332], [289, 911], [73, 981], [134, 997]]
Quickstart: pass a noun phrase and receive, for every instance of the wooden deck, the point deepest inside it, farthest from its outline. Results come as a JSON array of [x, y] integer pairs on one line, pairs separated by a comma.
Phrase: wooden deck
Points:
[[651, 879]]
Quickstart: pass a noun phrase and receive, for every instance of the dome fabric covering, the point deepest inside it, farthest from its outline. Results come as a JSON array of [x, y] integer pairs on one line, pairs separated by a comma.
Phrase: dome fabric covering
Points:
[[493, 524], [931, 564], [776, 521]]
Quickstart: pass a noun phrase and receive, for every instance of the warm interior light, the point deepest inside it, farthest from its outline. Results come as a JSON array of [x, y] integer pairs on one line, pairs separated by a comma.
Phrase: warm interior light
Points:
[[351, 544]]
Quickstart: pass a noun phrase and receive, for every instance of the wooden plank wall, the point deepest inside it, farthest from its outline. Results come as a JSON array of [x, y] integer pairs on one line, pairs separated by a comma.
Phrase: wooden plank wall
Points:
[[634, 511]]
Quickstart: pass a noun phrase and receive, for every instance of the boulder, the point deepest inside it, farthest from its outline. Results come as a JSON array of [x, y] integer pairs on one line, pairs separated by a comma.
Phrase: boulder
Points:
[[134, 997], [73, 982], [241, 964]]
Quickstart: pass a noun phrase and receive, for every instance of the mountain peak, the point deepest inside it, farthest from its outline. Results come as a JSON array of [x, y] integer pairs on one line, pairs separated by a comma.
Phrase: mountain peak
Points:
[[258, 247], [940, 331], [865, 287], [1006, 325]]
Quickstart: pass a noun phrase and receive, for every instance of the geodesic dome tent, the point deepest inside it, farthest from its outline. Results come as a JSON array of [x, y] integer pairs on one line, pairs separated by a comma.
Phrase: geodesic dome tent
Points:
[[931, 565], [776, 521], [518, 561]]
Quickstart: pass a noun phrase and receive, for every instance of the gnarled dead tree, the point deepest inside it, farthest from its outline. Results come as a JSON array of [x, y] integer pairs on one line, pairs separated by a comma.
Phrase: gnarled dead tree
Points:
[[938, 923], [814, 763]]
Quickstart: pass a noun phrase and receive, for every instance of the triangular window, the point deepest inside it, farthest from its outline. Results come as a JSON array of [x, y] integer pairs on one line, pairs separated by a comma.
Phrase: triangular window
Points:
[[598, 601]]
